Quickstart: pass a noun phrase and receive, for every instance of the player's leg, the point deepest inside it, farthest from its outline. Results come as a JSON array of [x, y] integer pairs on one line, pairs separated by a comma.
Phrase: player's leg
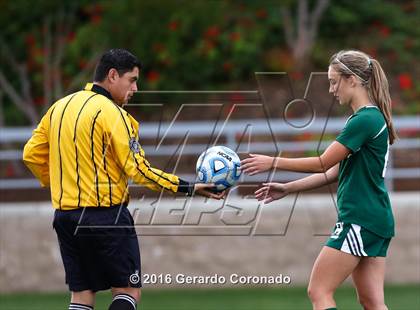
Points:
[[123, 265], [125, 298], [331, 268], [127, 271], [65, 223], [369, 275], [368, 278], [83, 300]]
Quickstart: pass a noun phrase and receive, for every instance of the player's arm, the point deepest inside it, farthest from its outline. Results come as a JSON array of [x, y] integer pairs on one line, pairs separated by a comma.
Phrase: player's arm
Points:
[[123, 137], [36, 151], [314, 181], [335, 153], [356, 132], [273, 191], [123, 131]]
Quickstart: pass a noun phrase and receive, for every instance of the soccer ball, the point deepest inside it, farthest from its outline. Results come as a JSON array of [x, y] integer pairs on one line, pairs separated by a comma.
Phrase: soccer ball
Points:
[[219, 165]]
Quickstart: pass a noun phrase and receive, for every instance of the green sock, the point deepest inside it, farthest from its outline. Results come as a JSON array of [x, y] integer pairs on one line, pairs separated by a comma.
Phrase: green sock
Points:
[[331, 309]]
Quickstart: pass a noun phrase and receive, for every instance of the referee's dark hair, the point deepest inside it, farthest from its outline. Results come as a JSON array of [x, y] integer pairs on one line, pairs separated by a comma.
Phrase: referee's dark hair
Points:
[[118, 59]]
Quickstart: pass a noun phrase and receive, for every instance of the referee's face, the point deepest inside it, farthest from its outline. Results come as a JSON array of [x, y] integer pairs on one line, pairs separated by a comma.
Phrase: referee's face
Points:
[[124, 86]]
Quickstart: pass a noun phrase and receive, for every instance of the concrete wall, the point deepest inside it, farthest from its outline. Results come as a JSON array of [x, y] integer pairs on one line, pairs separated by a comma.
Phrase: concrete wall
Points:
[[235, 238]]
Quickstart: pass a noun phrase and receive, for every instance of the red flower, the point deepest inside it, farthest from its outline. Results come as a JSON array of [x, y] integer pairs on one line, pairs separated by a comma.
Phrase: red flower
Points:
[[212, 32], [384, 31], [167, 61], [208, 46], [30, 40], [261, 13], [227, 66], [95, 19], [237, 98], [378, 27], [405, 81], [71, 36], [158, 47], [234, 36], [152, 76], [82, 63], [37, 53], [173, 25]]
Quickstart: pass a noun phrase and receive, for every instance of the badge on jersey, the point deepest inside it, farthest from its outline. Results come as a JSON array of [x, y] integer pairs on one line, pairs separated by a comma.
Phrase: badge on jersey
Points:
[[134, 145], [337, 231]]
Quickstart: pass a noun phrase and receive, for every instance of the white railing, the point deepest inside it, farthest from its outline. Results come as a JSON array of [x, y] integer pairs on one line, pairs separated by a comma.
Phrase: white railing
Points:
[[229, 132]]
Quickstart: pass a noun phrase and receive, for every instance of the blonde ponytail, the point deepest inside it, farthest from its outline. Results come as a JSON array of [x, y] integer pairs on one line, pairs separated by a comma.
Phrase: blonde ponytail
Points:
[[371, 75], [378, 89]]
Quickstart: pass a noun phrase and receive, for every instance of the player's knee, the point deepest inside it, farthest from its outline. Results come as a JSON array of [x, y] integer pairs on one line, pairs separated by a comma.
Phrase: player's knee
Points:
[[132, 291], [313, 293], [316, 294], [137, 293], [86, 297], [372, 303]]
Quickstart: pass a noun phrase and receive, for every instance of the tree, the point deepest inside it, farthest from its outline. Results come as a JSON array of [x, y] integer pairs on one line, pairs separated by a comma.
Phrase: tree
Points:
[[33, 77], [301, 32]]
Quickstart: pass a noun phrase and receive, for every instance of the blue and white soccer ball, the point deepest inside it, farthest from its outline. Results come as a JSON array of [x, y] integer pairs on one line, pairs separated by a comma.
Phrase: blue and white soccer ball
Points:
[[219, 165]]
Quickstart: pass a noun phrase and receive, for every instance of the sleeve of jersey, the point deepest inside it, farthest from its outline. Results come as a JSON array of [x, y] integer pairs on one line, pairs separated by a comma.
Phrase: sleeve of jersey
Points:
[[131, 157], [355, 133], [36, 152]]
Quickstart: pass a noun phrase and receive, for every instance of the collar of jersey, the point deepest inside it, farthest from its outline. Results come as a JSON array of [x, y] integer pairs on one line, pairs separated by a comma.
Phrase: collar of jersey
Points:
[[369, 106], [99, 90], [366, 107]]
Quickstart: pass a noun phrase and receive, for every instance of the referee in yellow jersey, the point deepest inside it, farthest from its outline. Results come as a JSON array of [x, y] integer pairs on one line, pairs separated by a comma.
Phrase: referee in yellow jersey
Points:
[[86, 149]]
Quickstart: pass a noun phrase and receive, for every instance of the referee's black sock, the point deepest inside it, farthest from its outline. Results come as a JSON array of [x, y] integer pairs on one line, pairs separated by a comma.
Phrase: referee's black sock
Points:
[[75, 306], [123, 302]]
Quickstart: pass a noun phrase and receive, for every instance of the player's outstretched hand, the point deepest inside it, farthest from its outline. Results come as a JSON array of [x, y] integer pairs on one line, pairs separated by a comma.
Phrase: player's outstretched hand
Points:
[[257, 163], [271, 191], [207, 190]]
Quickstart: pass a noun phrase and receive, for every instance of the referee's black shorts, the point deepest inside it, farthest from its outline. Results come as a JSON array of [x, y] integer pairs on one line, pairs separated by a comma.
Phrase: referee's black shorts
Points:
[[99, 248]]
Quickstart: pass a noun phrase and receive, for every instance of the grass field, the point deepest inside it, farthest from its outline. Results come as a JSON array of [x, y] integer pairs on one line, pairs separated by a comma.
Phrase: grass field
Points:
[[402, 297]]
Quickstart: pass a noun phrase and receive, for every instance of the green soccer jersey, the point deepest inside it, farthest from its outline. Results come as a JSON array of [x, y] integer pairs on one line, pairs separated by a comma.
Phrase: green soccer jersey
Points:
[[362, 197]]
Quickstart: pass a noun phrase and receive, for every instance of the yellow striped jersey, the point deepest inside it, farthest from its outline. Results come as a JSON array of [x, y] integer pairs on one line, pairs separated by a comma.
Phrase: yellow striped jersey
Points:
[[86, 149]]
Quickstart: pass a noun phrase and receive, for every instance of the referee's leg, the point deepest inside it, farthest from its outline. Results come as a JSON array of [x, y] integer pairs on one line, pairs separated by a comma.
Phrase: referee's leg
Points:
[[125, 298], [82, 300]]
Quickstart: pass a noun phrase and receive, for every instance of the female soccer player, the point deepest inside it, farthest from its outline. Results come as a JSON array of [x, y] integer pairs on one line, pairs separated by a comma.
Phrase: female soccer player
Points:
[[358, 159]]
